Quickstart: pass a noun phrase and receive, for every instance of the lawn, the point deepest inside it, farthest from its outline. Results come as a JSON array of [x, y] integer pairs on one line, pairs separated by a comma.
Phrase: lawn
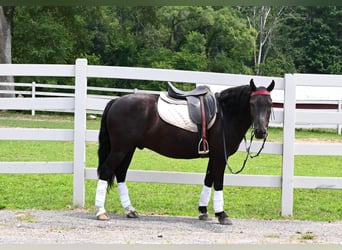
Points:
[[43, 191]]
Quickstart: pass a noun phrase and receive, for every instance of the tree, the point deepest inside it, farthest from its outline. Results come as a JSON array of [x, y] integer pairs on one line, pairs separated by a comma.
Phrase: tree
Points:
[[192, 53], [204, 38], [53, 35], [265, 20], [229, 43], [6, 14], [314, 36]]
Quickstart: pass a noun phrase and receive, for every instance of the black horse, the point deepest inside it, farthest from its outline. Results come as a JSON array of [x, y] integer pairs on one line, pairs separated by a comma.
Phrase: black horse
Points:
[[132, 121]]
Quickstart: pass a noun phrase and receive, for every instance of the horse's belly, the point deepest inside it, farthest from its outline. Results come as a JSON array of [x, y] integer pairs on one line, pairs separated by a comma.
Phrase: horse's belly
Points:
[[174, 142]]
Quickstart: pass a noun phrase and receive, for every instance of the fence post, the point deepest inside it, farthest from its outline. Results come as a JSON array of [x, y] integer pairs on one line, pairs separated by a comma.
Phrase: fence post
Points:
[[80, 132], [33, 95], [288, 145], [339, 109]]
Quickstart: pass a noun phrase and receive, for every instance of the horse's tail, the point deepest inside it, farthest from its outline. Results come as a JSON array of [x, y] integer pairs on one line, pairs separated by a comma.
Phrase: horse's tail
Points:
[[104, 144]]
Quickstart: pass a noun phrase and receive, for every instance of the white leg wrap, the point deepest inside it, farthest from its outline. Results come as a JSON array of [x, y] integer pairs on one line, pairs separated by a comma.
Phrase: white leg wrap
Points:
[[100, 211], [218, 201], [205, 196], [101, 192], [124, 197]]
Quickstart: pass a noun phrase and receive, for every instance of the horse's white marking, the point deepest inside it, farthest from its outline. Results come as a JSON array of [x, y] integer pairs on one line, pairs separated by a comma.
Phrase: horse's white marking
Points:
[[100, 197], [205, 196], [218, 201], [123, 193]]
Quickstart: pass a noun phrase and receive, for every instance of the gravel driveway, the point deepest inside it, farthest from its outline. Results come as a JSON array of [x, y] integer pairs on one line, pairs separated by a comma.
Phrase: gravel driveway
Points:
[[79, 226]]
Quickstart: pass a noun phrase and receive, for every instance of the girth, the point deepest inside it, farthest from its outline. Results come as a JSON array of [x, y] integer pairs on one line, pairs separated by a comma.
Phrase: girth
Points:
[[202, 108]]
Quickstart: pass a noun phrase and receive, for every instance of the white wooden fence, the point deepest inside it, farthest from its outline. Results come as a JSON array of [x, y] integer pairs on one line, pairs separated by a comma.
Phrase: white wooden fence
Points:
[[34, 90], [80, 102]]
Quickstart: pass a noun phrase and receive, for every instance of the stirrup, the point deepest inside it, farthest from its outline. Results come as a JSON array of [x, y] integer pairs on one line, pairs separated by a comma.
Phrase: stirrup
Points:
[[205, 146]]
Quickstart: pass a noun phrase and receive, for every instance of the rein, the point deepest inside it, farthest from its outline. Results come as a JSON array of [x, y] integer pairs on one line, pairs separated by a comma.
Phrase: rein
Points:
[[248, 148], [248, 154]]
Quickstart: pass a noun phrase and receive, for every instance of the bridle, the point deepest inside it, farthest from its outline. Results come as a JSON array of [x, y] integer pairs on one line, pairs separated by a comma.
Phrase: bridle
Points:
[[248, 154], [260, 92], [248, 148]]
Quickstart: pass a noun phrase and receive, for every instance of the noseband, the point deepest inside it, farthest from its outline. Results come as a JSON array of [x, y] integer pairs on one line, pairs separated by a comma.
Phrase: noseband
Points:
[[248, 154]]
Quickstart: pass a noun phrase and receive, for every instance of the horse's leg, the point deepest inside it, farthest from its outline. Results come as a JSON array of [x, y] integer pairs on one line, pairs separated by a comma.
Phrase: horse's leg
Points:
[[100, 199], [205, 196], [121, 173], [218, 197], [107, 174], [126, 201]]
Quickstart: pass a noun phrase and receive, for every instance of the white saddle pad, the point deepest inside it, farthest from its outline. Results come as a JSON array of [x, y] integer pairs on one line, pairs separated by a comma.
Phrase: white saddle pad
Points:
[[175, 112]]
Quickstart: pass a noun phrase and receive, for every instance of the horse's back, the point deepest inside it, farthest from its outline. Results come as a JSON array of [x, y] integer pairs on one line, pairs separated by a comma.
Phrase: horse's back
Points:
[[130, 116], [133, 104]]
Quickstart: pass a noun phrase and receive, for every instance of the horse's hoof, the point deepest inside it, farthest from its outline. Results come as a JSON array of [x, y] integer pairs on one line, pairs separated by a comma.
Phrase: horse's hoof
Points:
[[132, 214], [223, 218], [225, 221], [102, 217], [204, 216]]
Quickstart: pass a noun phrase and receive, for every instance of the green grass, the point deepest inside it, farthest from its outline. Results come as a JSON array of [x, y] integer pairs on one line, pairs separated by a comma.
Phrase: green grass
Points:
[[41, 191]]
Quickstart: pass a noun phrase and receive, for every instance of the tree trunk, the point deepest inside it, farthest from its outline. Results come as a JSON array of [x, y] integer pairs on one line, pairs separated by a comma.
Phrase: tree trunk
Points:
[[5, 51], [264, 19]]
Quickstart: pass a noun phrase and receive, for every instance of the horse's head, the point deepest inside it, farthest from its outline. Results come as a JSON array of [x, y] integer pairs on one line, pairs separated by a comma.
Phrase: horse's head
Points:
[[260, 107]]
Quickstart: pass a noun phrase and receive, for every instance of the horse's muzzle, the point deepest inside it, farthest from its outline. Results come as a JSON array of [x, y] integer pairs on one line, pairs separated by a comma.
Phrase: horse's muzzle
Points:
[[260, 133]]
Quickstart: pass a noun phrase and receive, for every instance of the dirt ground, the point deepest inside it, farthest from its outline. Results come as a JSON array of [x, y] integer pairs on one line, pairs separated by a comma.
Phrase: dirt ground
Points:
[[81, 227]]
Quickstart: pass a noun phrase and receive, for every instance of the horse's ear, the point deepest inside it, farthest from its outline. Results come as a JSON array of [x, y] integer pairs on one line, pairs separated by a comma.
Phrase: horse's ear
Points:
[[251, 83], [271, 86]]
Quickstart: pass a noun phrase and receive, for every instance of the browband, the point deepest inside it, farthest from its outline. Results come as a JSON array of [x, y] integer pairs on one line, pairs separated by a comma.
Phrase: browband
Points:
[[261, 92]]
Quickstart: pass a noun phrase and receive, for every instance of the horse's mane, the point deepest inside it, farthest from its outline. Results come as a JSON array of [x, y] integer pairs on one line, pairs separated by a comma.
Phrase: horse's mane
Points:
[[236, 99]]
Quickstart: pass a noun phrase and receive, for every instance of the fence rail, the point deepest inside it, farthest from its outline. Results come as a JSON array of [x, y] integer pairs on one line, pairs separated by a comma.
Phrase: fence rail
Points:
[[320, 108], [79, 102]]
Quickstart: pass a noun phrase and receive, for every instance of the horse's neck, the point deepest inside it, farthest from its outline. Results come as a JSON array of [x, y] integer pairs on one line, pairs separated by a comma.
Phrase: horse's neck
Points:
[[236, 127], [240, 126], [236, 114]]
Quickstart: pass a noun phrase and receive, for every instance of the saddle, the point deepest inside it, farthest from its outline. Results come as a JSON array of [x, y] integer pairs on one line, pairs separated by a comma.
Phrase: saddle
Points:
[[201, 104]]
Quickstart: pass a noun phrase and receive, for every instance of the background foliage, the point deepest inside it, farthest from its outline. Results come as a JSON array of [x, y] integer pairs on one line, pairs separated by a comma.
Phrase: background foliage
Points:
[[242, 40]]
